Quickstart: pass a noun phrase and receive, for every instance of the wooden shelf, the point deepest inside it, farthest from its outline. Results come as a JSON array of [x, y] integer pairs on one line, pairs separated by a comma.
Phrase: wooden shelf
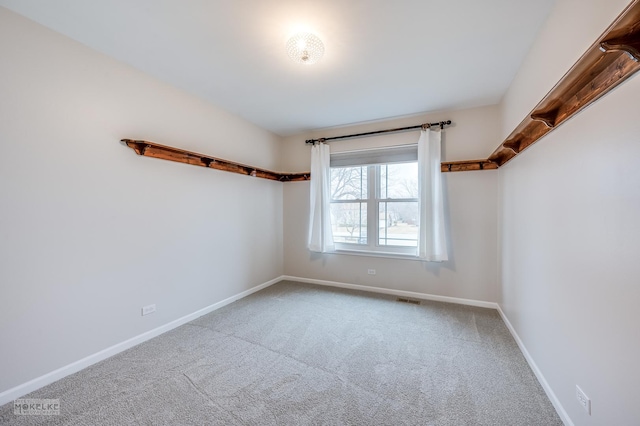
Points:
[[467, 166], [163, 152], [612, 59]]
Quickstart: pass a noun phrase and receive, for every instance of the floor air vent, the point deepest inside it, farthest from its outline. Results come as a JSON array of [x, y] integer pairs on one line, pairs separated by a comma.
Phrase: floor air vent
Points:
[[404, 300]]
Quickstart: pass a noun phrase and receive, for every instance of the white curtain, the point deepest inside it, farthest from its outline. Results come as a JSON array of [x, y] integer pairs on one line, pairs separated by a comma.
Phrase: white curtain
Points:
[[320, 233], [432, 240]]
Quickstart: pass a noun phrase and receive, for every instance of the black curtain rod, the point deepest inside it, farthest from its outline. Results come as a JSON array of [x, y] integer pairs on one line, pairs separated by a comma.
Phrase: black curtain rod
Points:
[[399, 129]]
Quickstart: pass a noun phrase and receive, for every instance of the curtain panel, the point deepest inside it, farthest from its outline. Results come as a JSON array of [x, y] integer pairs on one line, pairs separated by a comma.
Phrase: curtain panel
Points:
[[432, 240], [320, 232]]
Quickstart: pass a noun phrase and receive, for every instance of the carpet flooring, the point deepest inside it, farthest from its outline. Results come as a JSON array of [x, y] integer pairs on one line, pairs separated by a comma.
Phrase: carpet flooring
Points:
[[299, 354]]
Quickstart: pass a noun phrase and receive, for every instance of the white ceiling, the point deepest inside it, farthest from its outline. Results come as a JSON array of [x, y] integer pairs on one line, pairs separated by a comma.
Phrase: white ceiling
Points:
[[383, 58]]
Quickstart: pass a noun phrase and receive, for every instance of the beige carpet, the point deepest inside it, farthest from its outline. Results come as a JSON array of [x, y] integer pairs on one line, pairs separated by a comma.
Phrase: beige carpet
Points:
[[297, 354]]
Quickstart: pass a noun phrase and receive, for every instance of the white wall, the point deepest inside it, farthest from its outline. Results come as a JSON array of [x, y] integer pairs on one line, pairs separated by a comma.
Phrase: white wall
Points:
[[570, 235], [91, 232], [471, 211]]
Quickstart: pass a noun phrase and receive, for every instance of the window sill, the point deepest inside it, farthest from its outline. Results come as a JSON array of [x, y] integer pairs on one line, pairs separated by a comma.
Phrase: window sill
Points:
[[383, 254]]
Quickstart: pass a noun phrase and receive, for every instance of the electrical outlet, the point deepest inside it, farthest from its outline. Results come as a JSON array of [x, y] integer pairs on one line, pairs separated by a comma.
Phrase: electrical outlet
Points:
[[149, 309], [583, 400], [371, 271]]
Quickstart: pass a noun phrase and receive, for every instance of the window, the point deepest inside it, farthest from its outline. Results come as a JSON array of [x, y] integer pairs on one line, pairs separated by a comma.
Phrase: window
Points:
[[374, 206]]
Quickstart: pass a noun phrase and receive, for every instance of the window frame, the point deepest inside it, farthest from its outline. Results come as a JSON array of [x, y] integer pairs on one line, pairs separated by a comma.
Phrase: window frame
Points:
[[373, 202]]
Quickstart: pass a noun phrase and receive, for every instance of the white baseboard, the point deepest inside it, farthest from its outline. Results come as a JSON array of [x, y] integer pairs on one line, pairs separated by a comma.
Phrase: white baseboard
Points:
[[25, 388], [543, 382], [413, 294]]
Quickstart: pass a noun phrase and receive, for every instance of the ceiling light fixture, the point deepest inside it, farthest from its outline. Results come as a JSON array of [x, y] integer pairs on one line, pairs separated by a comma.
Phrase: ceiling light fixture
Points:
[[305, 48]]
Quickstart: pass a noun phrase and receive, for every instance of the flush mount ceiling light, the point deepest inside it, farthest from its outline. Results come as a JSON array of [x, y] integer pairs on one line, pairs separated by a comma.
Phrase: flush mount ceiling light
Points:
[[305, 48]]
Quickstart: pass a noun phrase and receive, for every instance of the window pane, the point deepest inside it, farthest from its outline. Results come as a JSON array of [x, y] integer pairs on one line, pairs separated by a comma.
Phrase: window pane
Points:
[[349, 183], [398, 223], [399, 180], [349, 222]]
